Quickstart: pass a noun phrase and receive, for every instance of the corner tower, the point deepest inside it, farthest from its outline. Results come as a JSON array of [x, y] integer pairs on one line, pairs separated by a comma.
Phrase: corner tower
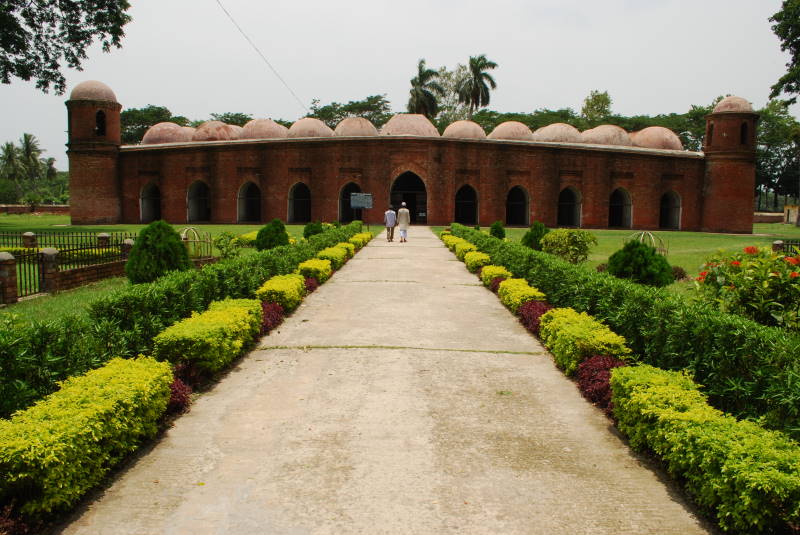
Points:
[[730, 174], [93, 116]]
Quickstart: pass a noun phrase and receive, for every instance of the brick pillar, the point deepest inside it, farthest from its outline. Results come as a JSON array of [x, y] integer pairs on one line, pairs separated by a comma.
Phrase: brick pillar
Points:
[[29, 240], [777, 246], [49, 270], [8, 279], [103, 239], [125, 247]]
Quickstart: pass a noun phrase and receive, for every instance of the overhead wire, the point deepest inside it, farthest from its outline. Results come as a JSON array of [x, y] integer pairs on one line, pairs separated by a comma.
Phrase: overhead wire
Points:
[[263, 57]]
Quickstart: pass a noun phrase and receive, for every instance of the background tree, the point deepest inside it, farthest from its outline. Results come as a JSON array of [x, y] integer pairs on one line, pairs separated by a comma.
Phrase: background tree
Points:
[[450, 109], [787, 28], [425, 88], [134, 122], [27, 177], [36, 36], [375, 108], [474, 88], [596, 107], [237, 118], [777, 136]]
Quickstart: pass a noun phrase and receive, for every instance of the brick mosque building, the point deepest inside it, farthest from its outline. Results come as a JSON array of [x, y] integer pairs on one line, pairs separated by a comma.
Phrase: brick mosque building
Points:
[[604, 177]]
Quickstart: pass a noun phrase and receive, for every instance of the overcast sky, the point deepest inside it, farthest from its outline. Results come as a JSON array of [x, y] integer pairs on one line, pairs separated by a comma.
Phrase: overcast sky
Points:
[[652, 56]]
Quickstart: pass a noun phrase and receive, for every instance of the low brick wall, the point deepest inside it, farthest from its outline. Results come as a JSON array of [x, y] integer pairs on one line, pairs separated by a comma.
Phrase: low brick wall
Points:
[[41, 209], [73, 278], [767, 217]]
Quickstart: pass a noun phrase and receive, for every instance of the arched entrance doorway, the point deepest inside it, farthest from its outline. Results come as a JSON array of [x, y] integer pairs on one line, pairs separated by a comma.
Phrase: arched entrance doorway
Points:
[[410, 189], [517, 207], [466, 206], [619, 209], [150, 203], [670, 211], [569, 208], [249, 203], [198, 202], [346, 212], [299, 204]]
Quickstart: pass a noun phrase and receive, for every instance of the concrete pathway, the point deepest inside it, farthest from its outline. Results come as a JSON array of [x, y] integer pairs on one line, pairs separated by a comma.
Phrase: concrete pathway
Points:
[[401, 397]]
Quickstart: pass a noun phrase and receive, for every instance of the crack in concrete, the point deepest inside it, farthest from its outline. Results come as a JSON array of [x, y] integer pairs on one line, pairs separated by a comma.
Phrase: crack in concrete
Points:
[[457, 350]]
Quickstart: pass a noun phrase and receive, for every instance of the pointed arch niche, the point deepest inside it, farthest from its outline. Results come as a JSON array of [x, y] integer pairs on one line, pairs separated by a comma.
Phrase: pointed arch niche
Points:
[[466, 211], [248, 203], [346, 212], [299, 204], [150, 203], [669, 216], [517, 207], [198, 202], [619, 209], [569, 208]]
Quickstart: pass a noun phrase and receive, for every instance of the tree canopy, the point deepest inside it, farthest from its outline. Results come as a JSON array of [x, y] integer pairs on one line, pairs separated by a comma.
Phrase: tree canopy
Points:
[[596, 107], [374, 108], [37, 36], [787, 28], [27, 177], [237, 118], [134, 122], [474, 88], [425, 88]]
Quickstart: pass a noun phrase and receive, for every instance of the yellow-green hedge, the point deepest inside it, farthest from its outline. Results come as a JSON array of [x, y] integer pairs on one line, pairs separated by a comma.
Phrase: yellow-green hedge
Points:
[[360, 239], [349, 247], [451, 241], [56, 450], [248, 239], [337, 256], [316, 268], [475, 260], [211, 339], [513, 293], [574, 336], [490, 272], [286, 290], [462, 249]]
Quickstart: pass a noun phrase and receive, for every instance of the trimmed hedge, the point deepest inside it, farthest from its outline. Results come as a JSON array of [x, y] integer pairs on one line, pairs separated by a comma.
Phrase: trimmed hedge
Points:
[[461, 249], [212, 339], [53, 452], [491, 272], [515, 292], [747, 476], [475, 260], [745, 368], [337, 256], [349, 247], [316, 268], [574, 336], [286, 290], [360, 239], [35, 356]]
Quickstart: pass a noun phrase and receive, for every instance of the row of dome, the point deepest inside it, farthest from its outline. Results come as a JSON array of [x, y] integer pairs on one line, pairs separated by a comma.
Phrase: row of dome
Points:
[[407, 124]]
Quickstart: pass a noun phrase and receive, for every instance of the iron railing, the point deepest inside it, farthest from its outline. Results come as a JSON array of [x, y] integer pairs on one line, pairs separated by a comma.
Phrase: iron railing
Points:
[[30, 273]]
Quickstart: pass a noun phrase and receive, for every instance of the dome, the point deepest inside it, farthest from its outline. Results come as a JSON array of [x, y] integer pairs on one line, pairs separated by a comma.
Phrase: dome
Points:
[[236, 130], [558, 132], [409, 124], [656, 137], [92, 90], [606, 134], [464, 130], [187, 133], [355, 126], [162, 133], [733, 104], [215, 131], [513, 130], [264, 129], [310, 127]]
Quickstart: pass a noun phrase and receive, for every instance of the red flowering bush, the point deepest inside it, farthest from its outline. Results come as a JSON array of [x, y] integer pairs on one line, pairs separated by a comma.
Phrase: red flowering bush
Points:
[[179, 397], [594, 377], [757, 283], [530, 313], [189, 374], [311, 284], [271, 315], [495, 285]]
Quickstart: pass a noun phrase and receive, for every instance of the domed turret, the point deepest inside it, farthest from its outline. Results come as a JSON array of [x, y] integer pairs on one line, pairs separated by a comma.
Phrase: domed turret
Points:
[[215, 131], [187, 133], [606, 134], [409, 124], [733, 104], [656, 137], [512, 130], [310, 127], [464, 130], [558, 132], [236, 131], [92, 90], [264, 129], [355, 127], [162, 133]]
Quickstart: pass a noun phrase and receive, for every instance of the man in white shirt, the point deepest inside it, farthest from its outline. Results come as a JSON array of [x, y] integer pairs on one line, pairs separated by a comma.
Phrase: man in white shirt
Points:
[[390, 220]]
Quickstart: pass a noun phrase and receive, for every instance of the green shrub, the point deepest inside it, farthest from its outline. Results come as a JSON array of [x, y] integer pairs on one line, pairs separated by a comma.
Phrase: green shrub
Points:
[[228, 245], [475, 260], [286, 290], [337, 256], [55, 451], [212, 339], [748, 477], [451, 241], [461, 249], [574, 336], [248, 239], [640, 263], [349, 247], [513, 293], [360, 239], [497, 230], [158, 249], [533, 238], [489, 273], [272, 235], [312, 228], [568, 243], [316, 268]]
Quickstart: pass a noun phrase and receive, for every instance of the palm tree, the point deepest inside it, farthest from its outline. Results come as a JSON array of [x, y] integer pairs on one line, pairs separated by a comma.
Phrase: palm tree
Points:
[[424, 89], [473, 89]]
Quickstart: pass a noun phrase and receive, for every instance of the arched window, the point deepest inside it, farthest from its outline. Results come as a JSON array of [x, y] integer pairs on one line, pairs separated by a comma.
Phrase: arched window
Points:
[[569, 208], [346, 212], [670, 211], [198, 202], [619, 209], [299, 204], [517, 207], [710, 139], [466, 205], [100, 123], [743, 137], [248, 203], [150, 203]]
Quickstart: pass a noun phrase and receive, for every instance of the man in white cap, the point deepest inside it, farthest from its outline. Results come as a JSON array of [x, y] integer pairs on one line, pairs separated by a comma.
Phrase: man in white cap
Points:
[[403, 221]]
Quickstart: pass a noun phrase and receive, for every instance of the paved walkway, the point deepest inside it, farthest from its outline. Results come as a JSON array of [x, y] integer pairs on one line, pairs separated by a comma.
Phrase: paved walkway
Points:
[[401, 397]]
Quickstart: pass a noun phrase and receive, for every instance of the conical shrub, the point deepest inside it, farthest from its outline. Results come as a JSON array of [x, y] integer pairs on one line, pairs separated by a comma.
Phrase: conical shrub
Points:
[[157, 250], [272, 235], [640, 263]]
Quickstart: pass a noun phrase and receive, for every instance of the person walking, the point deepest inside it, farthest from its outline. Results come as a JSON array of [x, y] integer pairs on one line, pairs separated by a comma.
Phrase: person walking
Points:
[[390, 221], [403, 221]]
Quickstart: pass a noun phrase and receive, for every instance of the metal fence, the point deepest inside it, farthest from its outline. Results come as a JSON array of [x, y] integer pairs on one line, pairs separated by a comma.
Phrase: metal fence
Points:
[[30, 274], [789, 246]]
